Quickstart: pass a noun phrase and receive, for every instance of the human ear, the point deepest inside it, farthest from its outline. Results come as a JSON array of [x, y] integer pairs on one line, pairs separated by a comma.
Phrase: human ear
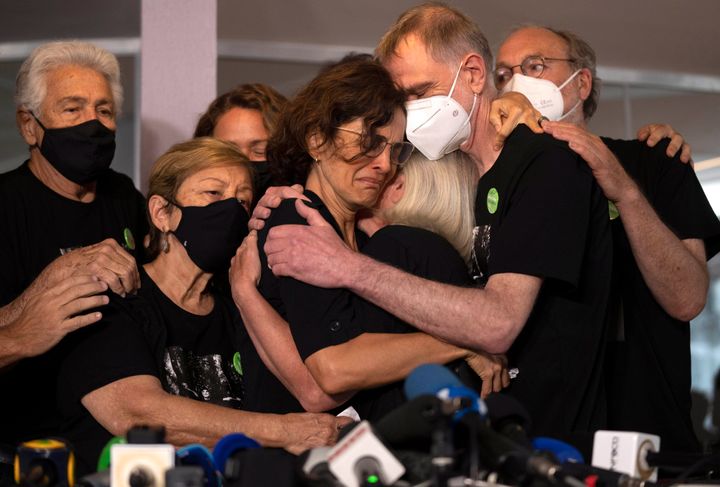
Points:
[[28, 127], [585, 80], [475, 65], [160, 210]]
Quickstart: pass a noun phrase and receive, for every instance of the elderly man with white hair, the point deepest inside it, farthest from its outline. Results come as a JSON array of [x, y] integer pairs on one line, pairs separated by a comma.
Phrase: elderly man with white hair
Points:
[[69, 224]]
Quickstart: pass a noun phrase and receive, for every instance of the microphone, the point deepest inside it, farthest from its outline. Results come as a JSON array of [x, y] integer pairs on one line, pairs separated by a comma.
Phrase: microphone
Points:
[[143, 461], [226, 452], [573, 464], [497, 451], [509, 418], [412, 423], [441, 382], [196, 455], [626, 452], [185, 476], [315, 469], [45, 463], [361, 459], [564, 452]]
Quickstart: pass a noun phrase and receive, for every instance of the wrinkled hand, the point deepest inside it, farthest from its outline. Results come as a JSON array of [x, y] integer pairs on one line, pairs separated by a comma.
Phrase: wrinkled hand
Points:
[[107, 260], [510, 110], [492, 369], [610, 175], [309, 430], [54, 312], [312, 254], [655, 132], [245, 265], [271, 200]]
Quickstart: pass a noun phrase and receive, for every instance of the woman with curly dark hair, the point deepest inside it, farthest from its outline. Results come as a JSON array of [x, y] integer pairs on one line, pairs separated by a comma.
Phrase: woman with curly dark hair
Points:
[[342, 138]]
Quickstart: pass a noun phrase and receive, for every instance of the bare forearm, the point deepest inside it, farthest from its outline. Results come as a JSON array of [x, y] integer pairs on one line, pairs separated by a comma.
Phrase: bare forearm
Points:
[[375, 359], [273, 341], [676, 276], [185, 420], [479, 319]]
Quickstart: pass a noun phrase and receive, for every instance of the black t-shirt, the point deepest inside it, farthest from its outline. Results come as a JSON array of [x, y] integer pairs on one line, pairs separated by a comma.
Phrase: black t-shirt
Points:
[[540, 212], [36, 224], [649, 377], [201, 357], [318, 317], [423, 254]]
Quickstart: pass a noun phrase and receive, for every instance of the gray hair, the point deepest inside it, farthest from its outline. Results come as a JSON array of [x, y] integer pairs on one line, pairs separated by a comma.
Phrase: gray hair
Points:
[[583, 56], [447, 33], [30, 85]]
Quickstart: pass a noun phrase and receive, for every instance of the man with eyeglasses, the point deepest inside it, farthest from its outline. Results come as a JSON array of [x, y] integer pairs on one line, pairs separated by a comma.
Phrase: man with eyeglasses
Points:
[[664, 230]]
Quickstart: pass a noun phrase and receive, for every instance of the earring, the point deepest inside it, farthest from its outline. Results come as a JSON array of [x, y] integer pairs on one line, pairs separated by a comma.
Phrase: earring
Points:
[[164, 247]]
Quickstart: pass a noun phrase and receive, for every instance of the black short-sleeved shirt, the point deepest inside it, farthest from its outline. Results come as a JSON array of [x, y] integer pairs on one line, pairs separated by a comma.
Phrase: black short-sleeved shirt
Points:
[[36, 224], [201, 357], [649, 377], [318, 317], [540, 212], [423, 254]]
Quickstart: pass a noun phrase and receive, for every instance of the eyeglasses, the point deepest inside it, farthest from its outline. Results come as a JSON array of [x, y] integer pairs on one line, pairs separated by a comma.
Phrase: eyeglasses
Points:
[[399, 151], [532, 66]]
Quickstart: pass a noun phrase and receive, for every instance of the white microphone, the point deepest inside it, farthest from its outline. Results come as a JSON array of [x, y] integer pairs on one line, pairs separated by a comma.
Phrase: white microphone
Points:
[[626, 452], [360, 457]]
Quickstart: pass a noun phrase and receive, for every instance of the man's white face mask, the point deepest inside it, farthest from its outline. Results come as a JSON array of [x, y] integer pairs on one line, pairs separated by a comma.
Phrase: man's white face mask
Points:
[[544, 95], [438, 125]]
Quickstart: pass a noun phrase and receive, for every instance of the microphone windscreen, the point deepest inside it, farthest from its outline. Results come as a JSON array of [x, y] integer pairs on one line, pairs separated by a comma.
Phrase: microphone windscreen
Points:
[[429, 379], [230, 444], [411, 423], [564, 452], [199, 456]]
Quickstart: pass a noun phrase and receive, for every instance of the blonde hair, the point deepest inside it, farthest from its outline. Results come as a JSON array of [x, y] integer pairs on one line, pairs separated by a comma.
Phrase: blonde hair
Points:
[[182, 161], [439, 197]]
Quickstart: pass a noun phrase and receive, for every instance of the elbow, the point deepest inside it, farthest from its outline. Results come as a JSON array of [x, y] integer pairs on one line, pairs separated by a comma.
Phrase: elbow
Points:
[[126, 416], [315, 400], [329, 376], [501, 337], [689, 309]]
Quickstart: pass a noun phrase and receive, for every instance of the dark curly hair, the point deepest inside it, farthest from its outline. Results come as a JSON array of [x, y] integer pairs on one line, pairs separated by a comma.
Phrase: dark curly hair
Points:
[[358, 86], [254, 96]]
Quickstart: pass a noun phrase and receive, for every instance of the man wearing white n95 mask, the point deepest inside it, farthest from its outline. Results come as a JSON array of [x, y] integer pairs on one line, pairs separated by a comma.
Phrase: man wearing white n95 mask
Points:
[[663, 232], [543, 244]]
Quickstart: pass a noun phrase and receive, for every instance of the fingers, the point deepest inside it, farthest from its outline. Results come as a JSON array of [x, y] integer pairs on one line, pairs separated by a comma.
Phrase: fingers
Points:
[[312, 216], [79, 305], [257, 221], [81, 321], [78, 287], [487, 387], [643, 132], [678, 144], [342, 421], [505, 378], [686, 154], [659, 132], [505, 129], [112, 264]]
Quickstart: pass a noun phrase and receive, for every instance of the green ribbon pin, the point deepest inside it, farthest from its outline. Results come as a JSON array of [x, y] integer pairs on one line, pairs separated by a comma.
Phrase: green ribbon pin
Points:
[[493, 198]]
